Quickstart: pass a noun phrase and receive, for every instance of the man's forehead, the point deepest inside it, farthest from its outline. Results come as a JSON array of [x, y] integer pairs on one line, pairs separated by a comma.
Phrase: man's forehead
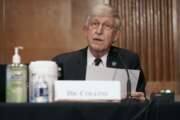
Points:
[[103, 18]]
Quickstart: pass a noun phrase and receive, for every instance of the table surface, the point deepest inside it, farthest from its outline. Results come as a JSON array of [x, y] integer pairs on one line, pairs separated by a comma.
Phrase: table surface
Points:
[[90, 111]]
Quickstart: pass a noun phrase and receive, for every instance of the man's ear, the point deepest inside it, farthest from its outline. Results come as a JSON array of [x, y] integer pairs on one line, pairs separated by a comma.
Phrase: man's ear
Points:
[[116, 36], [85, 27]]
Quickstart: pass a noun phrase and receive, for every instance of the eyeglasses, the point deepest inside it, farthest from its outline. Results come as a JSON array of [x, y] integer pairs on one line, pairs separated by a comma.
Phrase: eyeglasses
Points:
[[105, 26]]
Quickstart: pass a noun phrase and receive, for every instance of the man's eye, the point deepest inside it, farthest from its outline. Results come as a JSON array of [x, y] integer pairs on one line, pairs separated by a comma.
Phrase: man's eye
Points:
[[108, 26], [95, 23]]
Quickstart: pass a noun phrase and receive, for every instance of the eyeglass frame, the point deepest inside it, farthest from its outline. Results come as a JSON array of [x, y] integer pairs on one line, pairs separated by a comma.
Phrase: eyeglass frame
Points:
[[105, 26]]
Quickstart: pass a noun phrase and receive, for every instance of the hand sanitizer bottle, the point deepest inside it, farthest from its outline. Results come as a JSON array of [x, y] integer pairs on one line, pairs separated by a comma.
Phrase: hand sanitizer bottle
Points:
[[16, 83]]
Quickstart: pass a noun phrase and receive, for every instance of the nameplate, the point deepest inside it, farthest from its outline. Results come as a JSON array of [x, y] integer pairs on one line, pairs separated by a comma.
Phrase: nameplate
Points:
[[73, 90]]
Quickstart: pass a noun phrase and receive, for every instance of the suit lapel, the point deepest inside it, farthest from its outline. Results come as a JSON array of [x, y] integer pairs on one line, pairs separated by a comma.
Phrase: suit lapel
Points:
[[83, 64], [113, 59]]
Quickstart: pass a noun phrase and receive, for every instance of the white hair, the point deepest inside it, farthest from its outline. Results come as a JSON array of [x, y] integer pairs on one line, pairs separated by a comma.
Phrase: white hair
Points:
[[103, 10]]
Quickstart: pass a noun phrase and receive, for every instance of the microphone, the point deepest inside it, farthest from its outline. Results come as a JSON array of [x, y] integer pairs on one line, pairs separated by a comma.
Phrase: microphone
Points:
[[128, 84]]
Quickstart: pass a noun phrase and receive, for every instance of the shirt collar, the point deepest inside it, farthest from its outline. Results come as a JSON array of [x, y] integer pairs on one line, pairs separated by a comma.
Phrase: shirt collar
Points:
[[91, 58]]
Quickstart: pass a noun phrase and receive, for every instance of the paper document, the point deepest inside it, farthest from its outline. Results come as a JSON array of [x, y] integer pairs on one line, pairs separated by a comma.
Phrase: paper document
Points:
[[114, 74]]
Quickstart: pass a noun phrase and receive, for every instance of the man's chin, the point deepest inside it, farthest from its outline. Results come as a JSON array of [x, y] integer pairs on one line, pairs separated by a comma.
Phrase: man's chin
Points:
[[98, 49]]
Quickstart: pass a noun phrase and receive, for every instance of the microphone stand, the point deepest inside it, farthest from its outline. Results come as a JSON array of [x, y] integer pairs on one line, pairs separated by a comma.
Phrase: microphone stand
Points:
[[128, 85], [128, 98]]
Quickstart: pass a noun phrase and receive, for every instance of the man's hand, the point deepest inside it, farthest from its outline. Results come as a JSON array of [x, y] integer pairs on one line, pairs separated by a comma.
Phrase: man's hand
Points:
[[138, 96]]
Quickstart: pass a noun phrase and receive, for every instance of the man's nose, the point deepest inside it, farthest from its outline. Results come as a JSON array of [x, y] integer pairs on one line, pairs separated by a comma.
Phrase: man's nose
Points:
[[99, 29]]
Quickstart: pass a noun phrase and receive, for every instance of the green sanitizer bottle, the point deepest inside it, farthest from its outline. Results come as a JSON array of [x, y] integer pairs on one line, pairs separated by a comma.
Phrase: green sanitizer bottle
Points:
[[16, 82]]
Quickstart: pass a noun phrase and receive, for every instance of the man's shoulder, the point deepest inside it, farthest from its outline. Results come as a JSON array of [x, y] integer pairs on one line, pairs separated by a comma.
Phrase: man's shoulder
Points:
[[123, 51], [70, 55]]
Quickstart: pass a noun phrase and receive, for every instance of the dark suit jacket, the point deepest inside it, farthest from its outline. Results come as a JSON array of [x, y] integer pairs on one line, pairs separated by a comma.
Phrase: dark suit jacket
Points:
[[74, 64]]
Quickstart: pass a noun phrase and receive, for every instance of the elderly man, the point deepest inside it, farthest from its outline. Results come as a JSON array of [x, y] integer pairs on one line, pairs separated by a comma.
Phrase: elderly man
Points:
[[101, 29]]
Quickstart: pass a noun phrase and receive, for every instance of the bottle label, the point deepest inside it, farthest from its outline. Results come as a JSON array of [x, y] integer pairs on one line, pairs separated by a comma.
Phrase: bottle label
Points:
[[16, 91], [41, 95], [40, 91], [16, 86]]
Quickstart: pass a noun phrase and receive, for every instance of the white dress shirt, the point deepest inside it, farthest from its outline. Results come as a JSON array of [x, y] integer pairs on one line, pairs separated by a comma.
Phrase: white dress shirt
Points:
[[91, 58]]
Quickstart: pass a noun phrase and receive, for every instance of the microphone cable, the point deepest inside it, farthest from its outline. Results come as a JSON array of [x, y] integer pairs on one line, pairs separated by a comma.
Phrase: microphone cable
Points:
[[143, 110]]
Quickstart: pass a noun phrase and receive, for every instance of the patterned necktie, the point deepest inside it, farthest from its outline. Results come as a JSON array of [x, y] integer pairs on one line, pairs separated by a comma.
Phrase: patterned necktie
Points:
[[97, 61]]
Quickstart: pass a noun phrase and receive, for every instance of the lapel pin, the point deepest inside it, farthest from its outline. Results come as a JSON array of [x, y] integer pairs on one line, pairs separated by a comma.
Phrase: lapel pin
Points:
[[114, 64]]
